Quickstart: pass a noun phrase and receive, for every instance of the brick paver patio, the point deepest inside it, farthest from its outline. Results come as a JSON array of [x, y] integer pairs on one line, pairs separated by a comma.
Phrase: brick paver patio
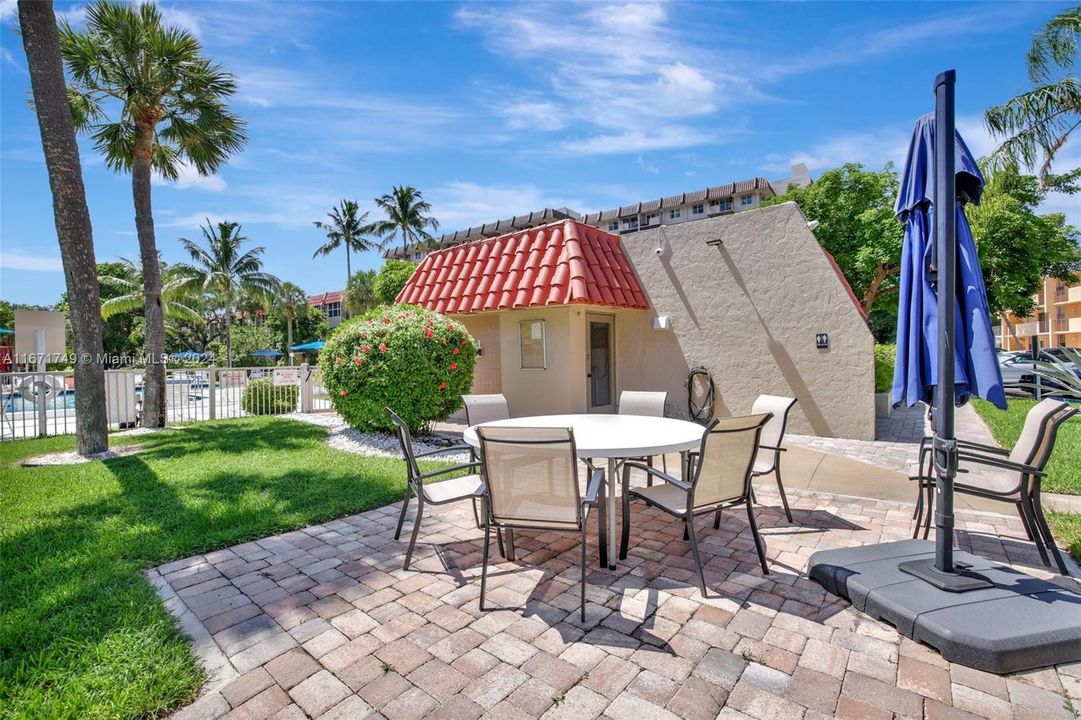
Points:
[[324, 623]]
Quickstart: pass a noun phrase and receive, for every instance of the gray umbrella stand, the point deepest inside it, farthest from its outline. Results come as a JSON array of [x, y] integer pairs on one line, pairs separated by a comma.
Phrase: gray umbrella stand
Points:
[[975, 612]]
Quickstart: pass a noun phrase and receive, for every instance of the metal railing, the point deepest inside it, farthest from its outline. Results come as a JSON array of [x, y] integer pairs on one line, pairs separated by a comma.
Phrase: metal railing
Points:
[[34, 404]]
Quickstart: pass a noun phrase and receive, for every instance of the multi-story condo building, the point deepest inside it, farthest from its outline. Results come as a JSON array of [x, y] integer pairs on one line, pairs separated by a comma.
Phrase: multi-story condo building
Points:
[[688, 206], [1056, 320], [331, 305]]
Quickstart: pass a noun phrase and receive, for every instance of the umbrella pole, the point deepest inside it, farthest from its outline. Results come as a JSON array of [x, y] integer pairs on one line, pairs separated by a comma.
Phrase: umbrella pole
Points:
[[942, 572], [945, 443]]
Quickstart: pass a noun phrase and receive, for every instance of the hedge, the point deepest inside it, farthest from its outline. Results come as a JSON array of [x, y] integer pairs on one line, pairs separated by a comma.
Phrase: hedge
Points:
[[415, 361], [885, 356], [263, 397]]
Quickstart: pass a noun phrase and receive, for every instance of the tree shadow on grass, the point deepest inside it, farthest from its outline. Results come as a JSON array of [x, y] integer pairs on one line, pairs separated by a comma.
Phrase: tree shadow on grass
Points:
[[236, 437]]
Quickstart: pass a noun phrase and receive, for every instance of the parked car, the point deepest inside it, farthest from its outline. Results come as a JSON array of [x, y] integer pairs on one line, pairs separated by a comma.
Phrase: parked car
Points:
[[1024, 360], [1011, 369]]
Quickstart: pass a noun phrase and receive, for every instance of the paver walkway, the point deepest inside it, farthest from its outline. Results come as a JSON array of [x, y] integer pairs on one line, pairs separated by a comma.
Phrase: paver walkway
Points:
[[324, 623]]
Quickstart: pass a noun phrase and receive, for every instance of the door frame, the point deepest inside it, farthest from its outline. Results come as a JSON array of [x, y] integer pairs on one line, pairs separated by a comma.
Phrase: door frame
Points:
[[610, 320]]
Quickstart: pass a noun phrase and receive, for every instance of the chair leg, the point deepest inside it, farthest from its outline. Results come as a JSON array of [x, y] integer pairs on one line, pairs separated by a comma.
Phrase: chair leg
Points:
[[1026, 506], [625, 534], [758, 545], [1024, 522], [476, 515], [649, 478], [717, 519], [780, 488], [917, 514], [930, 503], [686, 534], [694, 552], [602, 527], [405, 509], [1037, 510], [416, 529], [484, 564], [583, 605], [510, 544]]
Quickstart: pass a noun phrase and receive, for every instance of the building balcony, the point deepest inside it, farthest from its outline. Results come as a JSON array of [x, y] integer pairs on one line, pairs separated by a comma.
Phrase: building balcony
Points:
[[1026, 329], [1068, 295]]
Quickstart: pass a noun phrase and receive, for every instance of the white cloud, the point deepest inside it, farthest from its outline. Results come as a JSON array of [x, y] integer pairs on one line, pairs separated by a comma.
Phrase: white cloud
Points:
[[175, 17], [8, 59], [461, 204], [534, 114], [32, 262], [8, 10], [630, 76], [188, 177]]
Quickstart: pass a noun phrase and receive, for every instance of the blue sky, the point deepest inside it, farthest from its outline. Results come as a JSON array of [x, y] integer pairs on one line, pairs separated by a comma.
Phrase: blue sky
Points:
[[498, 109]]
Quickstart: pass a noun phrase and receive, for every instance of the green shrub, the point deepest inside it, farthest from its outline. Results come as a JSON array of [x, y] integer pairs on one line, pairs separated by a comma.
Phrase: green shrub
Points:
[[263, 397], [391, 279], [412, 360], [885, 354]]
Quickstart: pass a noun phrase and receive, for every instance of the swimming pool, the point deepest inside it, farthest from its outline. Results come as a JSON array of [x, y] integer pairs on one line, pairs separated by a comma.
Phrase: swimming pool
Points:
[[65, 399]]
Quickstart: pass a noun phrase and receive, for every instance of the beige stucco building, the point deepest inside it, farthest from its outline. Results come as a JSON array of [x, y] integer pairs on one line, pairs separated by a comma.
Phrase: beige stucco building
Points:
[[1055, 322], [750, 296]]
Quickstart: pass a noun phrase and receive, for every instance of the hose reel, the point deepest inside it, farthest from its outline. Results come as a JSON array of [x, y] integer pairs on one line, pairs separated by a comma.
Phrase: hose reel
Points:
[[701, 393]]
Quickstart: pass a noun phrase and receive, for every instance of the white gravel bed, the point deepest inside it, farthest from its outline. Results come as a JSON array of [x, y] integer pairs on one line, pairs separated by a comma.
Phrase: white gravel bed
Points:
[[343, 437]]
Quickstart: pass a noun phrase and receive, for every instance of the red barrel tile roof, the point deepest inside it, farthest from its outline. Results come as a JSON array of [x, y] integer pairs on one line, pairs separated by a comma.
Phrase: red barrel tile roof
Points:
[[561, 263]]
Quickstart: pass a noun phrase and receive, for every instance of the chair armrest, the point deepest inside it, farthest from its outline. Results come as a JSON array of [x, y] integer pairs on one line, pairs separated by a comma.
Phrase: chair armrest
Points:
[[661, 474], [452, 448], [925, 446], [999, 462], [444, 471], [595, 483]]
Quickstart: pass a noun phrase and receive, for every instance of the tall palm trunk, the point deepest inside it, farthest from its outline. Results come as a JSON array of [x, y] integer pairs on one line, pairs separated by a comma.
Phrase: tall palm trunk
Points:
[[228, 333], [348, 274], [154, 347], [42, 44]]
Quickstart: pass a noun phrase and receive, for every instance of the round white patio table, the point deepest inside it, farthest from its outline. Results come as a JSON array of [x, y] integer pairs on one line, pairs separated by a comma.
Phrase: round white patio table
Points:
[[614, 438]]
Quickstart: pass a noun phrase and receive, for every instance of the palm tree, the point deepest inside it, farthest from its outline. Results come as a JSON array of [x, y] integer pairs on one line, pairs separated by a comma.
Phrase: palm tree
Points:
[[170, 110], [291, 297], [1039, 121], [174, 292], [345, 227], [407, 215], [359, 292], [72, 218], [224, 271]]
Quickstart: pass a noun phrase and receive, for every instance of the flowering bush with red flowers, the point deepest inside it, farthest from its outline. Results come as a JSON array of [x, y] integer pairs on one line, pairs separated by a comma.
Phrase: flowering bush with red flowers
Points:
[[412, 360]]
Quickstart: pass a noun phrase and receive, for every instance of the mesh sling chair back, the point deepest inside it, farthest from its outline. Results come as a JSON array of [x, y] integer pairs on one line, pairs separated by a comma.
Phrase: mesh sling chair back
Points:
[[720, 478], [769, 456], [531, 476], [650, 404], [1020, 486], [442, 492], [485, 408]]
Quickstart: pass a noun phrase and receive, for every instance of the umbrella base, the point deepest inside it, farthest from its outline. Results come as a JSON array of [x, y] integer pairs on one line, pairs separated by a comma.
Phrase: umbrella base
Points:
[[1018, 622], [964, 580]]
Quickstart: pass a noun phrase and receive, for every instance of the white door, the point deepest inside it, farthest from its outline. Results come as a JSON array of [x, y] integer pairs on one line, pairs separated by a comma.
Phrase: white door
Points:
[[600, 363]]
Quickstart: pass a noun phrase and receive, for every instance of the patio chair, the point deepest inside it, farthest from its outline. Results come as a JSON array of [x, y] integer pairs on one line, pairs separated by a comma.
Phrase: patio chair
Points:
[[651, 404], [721, 478], [532, 479], [443, 492], [1028, 458], [769, 462], [485, 408]]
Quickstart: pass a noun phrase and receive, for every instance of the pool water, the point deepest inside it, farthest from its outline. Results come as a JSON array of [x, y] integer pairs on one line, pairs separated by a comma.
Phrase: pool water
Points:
[[65, 399]]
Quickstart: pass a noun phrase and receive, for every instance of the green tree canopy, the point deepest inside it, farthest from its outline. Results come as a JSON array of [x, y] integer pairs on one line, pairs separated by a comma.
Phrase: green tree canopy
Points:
[[391, 279], [1018, 247], [347, 227], [407, 216], [854, 209], [360, 293]]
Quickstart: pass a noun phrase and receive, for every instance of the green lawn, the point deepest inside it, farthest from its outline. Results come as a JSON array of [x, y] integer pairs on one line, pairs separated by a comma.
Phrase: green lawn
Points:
[[82, 633], [1063, 470]]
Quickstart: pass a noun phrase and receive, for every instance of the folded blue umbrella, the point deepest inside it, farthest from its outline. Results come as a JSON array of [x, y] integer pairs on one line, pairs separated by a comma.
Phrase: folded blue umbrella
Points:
[[976, 369]]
